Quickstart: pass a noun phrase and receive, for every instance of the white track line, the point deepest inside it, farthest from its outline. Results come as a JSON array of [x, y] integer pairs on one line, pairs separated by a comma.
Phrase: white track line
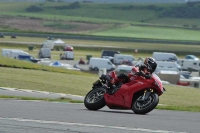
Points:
[[89, 125]]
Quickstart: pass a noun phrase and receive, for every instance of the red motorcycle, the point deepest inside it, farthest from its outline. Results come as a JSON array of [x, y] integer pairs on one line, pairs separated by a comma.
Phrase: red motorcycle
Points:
[[139, 94]]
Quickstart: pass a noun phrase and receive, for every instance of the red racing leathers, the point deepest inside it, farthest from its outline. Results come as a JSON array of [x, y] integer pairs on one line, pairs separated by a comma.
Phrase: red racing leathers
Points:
[[136, 71]]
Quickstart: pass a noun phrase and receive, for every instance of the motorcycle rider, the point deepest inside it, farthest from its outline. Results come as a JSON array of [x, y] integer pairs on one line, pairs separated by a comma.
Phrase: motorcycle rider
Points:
[[81, 61], [145, 70]]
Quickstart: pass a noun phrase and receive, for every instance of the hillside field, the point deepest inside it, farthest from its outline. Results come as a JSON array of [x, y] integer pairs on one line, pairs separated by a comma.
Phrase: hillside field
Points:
[[119, 20]]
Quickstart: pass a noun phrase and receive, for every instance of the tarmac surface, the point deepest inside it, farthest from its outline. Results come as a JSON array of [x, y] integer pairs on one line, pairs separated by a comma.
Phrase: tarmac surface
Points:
[[27, 116]]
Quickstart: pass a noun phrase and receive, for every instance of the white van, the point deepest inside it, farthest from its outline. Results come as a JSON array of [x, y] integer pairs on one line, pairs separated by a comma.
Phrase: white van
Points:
[[15, 54], [168, 64], [12, 53], [7, 52], [161, 56], [97, 63], [44, 53], [118, 58]]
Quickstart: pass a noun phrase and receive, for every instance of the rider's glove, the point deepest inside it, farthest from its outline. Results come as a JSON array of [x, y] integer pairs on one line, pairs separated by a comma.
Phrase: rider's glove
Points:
[[147, 76]]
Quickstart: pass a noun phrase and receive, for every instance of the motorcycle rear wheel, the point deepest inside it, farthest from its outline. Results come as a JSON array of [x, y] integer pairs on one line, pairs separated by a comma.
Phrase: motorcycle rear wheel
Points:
[[147, 106], [94, 100]]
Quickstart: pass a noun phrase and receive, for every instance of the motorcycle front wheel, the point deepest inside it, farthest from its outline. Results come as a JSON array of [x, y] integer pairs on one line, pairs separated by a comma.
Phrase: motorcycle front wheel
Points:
[[94, 100], [145, 107]]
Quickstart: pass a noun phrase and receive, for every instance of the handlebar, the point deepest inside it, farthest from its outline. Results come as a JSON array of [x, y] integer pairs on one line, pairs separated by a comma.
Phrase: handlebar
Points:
[[143, 74]]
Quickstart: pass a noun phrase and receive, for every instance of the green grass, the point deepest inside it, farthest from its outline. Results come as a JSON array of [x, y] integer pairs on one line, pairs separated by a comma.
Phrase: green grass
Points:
[[26, 75], [180, 98], [92, 12], [152, 33], [176, 22], [41, 99], [139, 14], [101, 13], [47, 81]]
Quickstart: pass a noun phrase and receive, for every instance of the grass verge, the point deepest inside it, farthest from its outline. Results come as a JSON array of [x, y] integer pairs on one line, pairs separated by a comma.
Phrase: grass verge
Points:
[[41, 99], [179, 108]]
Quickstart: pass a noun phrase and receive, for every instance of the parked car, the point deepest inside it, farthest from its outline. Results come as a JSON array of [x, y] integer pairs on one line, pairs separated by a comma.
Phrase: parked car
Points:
[[127, 62], [109, 53], [28, 58], [68, 48], [191, 57], [119, 58], [50, 38]]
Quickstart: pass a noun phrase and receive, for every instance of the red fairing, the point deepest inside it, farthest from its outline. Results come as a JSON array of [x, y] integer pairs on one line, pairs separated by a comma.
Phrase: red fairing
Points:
[[123, 97], [112, 74]]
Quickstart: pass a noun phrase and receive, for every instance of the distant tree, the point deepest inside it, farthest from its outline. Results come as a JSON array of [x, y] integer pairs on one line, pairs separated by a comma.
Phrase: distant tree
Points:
[[189, 10], [74, 5]]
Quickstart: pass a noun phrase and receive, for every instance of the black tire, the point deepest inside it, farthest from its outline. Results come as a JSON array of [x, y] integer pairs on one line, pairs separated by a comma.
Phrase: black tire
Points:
[[98, 100], [146, 107]]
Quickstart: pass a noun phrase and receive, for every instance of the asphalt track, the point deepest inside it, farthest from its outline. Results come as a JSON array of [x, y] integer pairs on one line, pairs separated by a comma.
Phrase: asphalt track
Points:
[[17, 116]]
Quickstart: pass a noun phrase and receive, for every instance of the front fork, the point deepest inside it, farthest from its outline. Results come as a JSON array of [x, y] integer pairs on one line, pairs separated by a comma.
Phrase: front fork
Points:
[[146, 95]]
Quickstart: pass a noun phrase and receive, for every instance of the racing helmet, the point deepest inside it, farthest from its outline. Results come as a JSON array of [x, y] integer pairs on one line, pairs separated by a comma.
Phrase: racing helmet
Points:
[[150, 64]]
